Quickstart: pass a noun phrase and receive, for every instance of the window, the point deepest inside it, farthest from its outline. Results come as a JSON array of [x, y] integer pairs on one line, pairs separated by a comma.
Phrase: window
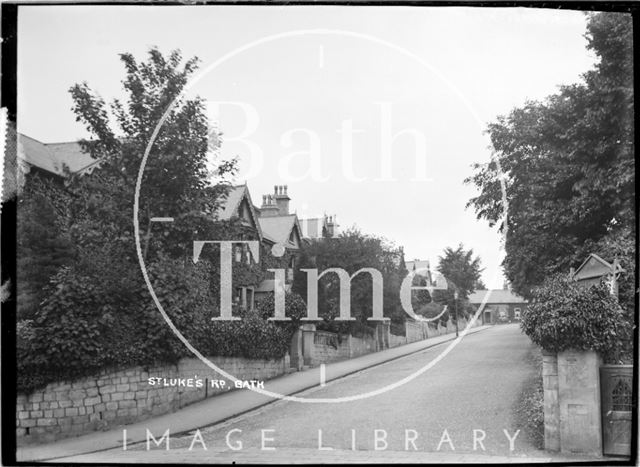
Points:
[[516, 313], [292, 265], [250, 294], [621, 396]]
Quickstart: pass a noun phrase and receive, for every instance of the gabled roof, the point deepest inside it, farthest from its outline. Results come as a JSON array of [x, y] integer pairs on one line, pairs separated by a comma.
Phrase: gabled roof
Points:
[[54, 157], [500, 296], [418, 264], [594, 266], [231, 205], [278, 228]]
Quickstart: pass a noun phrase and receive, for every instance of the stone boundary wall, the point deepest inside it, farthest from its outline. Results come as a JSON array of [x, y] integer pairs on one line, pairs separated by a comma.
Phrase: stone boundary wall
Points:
[[114, 398], [417, 331], [362, 345], [330, 348]]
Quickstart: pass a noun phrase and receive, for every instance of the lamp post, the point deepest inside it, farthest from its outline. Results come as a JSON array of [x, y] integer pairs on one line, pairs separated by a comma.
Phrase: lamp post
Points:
[[455, 297]]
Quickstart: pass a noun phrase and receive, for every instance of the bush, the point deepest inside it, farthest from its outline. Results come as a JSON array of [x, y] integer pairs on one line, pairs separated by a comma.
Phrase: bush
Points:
[[86, 326], [565, 315]]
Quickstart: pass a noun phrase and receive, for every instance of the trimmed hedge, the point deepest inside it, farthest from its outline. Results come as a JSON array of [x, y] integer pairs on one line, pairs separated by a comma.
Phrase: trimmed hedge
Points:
[[565, 315], [92, 323]]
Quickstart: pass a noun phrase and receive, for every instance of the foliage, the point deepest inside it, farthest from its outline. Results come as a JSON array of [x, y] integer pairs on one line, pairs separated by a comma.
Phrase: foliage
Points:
[[433, 309], [529, 410], [460, 269], [565, 315], [97, 312], [253, 337], [42, 248], [353, 250], [569, 166], [462, 272], [83, 327]]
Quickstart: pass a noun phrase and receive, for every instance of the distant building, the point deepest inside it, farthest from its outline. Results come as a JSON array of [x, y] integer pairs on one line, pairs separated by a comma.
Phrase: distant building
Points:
[[319, 227], [501, 306], [271, 224], [421, 267], [52, 159]]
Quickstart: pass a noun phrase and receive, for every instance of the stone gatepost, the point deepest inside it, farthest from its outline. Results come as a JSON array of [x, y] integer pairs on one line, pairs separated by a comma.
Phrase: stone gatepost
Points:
[[308, 344], [296, 350], [551, 407], [383, 331], [579, 402]]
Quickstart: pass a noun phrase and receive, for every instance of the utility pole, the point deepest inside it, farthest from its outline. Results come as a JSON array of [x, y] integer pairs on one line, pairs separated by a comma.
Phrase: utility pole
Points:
[[455, 297]]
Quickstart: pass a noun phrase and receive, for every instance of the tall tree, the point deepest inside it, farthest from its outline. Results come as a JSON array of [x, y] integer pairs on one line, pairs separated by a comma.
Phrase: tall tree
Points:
[[568, 165], [462, 272], [98, 312]]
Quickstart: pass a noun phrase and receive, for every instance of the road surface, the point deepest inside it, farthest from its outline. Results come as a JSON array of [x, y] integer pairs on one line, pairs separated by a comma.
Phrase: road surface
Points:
[[461, 409]]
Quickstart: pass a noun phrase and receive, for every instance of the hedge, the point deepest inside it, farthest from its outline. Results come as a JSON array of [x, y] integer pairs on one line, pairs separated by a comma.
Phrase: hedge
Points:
[[83, 327], [565, 315]]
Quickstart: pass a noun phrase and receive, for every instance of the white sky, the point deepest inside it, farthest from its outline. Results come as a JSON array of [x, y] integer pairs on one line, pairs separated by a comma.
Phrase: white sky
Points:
[[496, 58]]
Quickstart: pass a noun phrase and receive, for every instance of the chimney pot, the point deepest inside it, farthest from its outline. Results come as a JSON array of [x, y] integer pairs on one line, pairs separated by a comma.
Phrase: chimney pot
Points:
[[285, 189], [275, 189]]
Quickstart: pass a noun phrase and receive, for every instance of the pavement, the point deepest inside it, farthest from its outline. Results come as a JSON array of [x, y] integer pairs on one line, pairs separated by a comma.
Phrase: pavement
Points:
[[225, 406], [311, 456]]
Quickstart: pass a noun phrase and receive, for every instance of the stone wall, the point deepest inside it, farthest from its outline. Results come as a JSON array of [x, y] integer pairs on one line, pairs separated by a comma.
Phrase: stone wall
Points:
[[330, 347], [362, 345], [117, 397]]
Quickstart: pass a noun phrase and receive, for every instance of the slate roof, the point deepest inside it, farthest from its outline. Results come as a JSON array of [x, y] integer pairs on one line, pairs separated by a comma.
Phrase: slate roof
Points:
[[230, 206], [53, 157], [278, 228], [500, 296]]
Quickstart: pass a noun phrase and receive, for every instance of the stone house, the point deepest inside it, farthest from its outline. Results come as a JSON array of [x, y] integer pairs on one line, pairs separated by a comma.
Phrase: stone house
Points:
[[501, 305], [277, 229], [272, 224]]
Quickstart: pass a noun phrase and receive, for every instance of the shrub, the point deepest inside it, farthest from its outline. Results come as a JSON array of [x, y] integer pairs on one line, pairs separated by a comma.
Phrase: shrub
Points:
[[565, 315], [86, 326]]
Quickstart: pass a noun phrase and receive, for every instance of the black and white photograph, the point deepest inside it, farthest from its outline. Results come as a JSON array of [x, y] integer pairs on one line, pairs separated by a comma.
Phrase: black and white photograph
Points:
[[338, 233]]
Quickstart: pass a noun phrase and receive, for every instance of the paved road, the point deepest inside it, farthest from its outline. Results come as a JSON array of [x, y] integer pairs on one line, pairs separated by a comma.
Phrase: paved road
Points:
[[431, 418]]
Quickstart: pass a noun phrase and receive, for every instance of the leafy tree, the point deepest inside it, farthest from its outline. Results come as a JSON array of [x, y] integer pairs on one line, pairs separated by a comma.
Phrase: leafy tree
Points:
[[176, 182], [98, 312], [460, 269], [352, 250], [569, 168], [462, 272]]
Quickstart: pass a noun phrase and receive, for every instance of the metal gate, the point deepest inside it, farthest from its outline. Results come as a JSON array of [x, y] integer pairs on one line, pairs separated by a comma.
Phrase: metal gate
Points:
[[616, 394]]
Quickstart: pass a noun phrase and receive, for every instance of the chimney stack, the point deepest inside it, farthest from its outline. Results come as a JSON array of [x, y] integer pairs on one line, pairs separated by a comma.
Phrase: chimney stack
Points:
[[269, 207], [332, 226], [282, 199]]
